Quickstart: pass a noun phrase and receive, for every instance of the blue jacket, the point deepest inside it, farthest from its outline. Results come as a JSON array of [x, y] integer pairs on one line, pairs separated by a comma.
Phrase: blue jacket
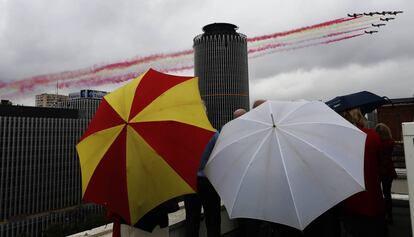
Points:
[[206, 154]]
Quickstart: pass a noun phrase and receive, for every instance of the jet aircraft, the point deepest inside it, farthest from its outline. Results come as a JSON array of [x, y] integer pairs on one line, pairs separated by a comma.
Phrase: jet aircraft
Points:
[[377, 25], [387, 19]]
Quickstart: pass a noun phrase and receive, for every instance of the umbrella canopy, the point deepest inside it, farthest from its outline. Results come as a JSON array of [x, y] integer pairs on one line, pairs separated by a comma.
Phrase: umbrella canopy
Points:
[[364, 100], [144, 144], [287, 162]]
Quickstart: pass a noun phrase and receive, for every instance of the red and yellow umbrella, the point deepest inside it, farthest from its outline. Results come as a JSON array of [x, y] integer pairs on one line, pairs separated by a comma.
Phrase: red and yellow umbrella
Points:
[[144, 144]]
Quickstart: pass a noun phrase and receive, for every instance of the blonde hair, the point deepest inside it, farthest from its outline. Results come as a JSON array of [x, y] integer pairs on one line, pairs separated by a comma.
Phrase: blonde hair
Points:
[[354, 116], [383, 131]]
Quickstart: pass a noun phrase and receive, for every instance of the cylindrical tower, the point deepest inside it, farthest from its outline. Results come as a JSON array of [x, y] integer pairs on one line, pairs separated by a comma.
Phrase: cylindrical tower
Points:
[[220, 63]]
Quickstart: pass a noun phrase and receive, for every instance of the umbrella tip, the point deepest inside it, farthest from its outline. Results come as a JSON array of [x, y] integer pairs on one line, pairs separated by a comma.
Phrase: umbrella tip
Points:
[[273, 121]]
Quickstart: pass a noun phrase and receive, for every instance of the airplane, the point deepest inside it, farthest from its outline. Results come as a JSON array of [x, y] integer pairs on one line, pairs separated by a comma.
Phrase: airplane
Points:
[[369, 14], [395, 12], [371, 32], [377, 25], [387, 19], [354, 15]]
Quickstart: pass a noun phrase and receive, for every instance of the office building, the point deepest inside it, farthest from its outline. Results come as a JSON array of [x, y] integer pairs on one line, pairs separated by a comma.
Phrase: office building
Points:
[[220, 63], [49, 100], [86, 101], [40, 180]]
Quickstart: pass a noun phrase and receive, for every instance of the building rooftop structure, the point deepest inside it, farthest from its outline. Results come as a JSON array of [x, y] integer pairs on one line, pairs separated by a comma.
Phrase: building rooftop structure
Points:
[[220, 28], [37, 112]]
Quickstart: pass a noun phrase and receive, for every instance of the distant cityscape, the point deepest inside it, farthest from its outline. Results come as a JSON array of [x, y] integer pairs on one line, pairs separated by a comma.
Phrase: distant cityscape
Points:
[[40, 180]]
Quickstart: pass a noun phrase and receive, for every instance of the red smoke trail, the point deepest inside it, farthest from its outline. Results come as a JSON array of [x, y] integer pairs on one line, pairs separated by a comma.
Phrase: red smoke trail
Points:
[[342, 38], [179, 69], [46, 79], [97, 81], [116, 79], [265, 47], [334, 34], [156, 57], [147, 59], [324, 24]]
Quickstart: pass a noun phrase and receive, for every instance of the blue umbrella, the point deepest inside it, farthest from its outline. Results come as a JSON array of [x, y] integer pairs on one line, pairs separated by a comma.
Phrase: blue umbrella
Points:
[[364, 100]]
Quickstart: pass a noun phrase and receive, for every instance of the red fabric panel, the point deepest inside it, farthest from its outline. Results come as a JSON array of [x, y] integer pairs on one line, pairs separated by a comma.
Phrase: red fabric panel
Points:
[[369, 202], [108, 184], [105, 117], [152, 85], [181, 145]]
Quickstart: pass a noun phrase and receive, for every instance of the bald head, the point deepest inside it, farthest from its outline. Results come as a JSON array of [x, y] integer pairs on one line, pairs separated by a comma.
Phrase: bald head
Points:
[[238, 112], [258, 102]]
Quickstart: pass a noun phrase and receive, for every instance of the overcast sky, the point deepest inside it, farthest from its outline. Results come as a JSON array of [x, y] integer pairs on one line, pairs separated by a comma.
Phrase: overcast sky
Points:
[[40, 37]]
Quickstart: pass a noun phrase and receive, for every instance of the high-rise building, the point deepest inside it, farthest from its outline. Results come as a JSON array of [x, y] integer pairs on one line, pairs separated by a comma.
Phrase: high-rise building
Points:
[[40, 180], [49, 100], [220, 55]]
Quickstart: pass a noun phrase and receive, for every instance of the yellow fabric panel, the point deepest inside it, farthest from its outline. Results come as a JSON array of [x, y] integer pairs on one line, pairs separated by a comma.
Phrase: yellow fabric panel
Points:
[[171, 104], [150, 179], [92, 149], [121, 98]]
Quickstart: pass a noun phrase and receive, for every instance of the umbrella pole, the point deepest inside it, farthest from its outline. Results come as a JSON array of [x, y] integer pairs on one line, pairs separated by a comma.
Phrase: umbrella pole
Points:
[[273, 121]]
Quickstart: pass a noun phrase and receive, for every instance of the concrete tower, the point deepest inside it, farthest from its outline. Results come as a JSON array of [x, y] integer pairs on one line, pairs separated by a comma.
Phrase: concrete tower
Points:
[[220, 63]]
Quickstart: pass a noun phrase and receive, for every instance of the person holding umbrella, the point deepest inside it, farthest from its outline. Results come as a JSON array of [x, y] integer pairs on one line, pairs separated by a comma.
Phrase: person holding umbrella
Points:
[[364, 211], [205, 197]]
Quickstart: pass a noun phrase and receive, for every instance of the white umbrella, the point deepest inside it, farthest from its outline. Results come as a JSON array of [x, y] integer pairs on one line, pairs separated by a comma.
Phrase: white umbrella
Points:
[[287, 162]]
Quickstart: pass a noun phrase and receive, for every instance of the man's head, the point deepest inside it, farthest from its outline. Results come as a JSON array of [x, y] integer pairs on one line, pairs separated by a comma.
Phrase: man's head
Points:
[[258, 102], [238, 112]]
